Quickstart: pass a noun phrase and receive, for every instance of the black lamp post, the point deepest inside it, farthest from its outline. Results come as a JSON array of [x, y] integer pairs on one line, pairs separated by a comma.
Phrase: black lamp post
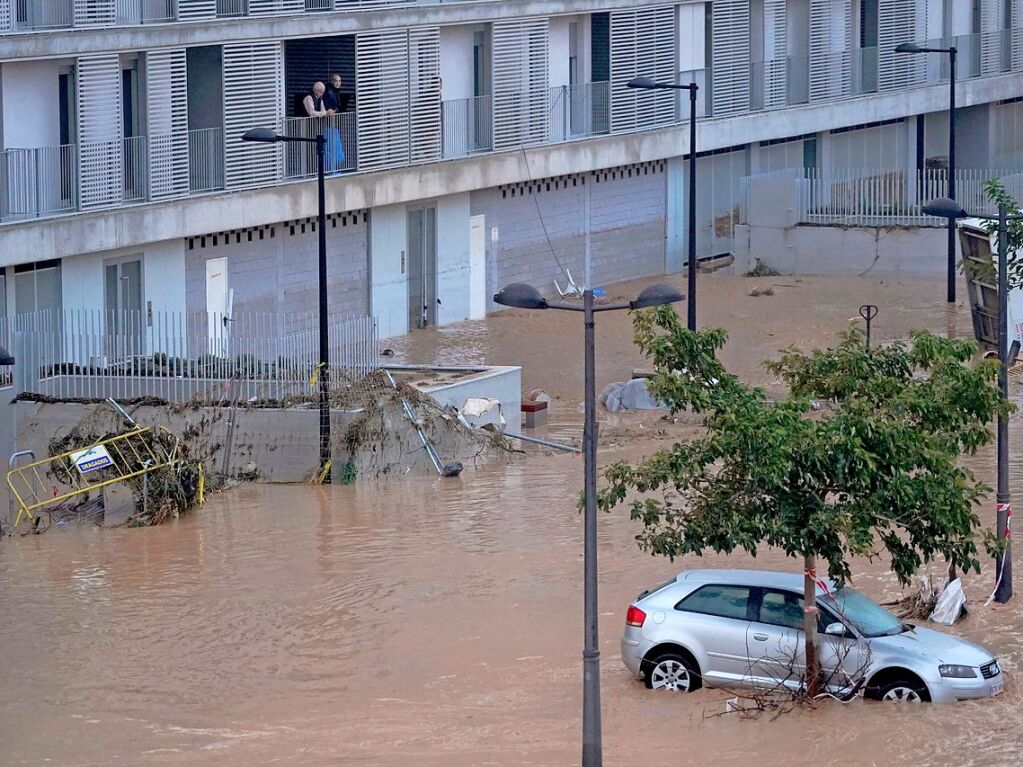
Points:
[[524, 296], [945, 207], [647, 83], [269, 136], [951, 51]]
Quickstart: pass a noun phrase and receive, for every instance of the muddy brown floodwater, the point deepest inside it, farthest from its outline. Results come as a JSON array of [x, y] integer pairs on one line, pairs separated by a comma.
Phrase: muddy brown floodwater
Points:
[[426, 621]]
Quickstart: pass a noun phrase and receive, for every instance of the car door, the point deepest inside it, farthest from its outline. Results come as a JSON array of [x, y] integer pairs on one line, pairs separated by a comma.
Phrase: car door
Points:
[[775, 639], [844, 659], [716, 616]]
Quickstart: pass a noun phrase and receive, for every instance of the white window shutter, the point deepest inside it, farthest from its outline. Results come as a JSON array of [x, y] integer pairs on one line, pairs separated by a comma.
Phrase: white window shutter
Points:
[[424, 94], [5, 14], [252, 99], [1017, 35], [642, 45], [991, 16], [99, 130], [89, 13], [900, 21], [521, 104], [730, 56], [830, 43], [382, 98], [275, 7], [775, 54], [193, 10], [167, 122]]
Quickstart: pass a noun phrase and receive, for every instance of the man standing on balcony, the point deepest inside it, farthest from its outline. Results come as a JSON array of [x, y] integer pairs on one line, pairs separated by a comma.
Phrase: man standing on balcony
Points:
[[336, 102], [336, 98], [314, 103]]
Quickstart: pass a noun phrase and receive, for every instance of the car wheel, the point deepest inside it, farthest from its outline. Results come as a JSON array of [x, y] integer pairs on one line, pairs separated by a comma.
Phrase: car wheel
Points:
[[903, 691], [673, 672]]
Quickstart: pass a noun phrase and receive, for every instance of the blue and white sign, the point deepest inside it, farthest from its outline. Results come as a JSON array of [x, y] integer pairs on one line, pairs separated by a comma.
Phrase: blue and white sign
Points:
[[92, 459]]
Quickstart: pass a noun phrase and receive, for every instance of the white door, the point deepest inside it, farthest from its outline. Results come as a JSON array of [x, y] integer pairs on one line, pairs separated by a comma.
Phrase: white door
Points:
[[477, 267], [217, 305]]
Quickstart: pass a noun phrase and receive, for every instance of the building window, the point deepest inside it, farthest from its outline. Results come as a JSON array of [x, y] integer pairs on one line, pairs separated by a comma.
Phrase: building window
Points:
[[37, 286]]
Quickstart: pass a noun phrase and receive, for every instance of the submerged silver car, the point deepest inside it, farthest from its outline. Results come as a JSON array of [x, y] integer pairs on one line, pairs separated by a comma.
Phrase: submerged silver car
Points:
[[744, 628]]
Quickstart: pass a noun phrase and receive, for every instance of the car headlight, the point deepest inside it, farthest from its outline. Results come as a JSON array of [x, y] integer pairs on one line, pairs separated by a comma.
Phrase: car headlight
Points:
[[958, 672]]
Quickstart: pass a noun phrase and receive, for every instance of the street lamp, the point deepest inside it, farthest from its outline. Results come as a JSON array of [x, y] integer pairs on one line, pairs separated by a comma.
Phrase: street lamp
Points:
[[951, 51], [649, 84], [945, 207], [522, 296], [269, 136]]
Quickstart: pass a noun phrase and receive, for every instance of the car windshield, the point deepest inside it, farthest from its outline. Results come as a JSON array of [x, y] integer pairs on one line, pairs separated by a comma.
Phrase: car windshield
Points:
[[868, 617]]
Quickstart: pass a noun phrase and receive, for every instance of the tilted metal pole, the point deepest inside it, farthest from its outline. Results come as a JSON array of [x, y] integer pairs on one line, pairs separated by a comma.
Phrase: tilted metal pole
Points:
[[592, 745], [1003, 564], [321, 225], [952, 174], [691, 306]]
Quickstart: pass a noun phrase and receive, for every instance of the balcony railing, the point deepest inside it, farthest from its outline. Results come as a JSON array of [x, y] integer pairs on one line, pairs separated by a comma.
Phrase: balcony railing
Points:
[[703, 96], [38, 182], [577, 111], [339, 157], [319, 5], [229, 8], [205, 160], [467, 126], [135, 169], [145, 11], [42, 14]]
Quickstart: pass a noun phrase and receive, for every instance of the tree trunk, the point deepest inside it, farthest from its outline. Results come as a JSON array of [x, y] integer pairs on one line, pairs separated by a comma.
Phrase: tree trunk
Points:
[[813, 676]]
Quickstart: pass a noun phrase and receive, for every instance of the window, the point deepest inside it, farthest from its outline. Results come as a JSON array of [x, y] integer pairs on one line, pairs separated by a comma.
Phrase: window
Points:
[[782, 608], [37, 286], [723, 601]]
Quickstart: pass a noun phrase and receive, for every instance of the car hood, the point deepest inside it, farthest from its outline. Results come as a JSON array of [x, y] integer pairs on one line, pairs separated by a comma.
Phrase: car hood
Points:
[[935, 646]]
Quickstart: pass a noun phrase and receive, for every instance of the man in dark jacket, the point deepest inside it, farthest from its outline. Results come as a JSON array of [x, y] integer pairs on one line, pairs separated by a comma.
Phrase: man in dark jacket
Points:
[[336, 98]]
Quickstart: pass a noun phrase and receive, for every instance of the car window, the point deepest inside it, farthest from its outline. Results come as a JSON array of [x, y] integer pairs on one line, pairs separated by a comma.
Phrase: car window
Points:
[[782, 608], [724, 601]]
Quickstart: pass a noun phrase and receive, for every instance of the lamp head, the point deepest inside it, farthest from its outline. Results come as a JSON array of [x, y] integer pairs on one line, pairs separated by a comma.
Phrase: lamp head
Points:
[[656, 295], [646, 83], [262, 135], [520, 296], [907, 48], [943, 207]]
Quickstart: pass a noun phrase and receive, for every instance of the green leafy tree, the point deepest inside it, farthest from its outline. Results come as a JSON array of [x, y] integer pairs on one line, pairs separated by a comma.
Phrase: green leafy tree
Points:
[[874, 473], [997, 193]]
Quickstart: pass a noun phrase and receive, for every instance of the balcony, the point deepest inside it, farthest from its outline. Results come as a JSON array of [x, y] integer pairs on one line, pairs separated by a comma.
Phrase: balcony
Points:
[[579, 111], [145, 11], [339, 157], [205, 160], [30, 15], [38, 182], [467, 126]]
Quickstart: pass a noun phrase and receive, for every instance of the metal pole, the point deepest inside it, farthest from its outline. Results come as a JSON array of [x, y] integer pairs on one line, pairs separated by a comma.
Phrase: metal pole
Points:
[[691, 306], [952, 173], [321, 225], [592, 746], [1003, 564]]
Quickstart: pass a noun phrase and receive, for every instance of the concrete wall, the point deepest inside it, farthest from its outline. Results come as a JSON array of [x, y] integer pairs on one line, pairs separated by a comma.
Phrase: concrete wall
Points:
[[275, 268], [456, 66], [29, 90]]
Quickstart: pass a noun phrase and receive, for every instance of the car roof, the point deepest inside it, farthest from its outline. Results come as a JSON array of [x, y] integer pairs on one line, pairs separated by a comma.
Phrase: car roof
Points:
[[768, 578]]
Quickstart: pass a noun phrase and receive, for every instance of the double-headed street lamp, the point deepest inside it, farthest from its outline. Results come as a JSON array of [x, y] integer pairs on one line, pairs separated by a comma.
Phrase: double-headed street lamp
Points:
[[522, 296], [951, 51], [945, 207], [269, 136], [646, 83]]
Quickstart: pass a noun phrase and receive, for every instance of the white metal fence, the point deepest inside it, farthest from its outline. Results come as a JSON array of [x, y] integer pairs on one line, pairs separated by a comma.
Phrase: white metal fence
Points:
[[205, 160], [466, 126], [340, 151], [185, 356], [577, 111], [38, 182]]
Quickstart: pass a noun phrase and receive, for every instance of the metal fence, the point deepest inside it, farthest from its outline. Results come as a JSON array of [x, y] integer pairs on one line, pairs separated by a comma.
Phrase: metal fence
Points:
[[185, 356], [206, 160], [135, 168], [340, 155], [43, 14], [578, 111], [38, 182], [145, 11], [466, 126]]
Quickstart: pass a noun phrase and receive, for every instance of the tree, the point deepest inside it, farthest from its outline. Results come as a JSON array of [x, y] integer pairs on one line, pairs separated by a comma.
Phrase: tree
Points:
[[997, 193], [875, 472]]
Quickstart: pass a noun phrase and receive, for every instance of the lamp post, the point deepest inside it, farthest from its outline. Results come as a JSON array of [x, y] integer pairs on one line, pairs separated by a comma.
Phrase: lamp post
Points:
[[951, 51], [647, 83], [269, 136], [945, 207], [524, 296]]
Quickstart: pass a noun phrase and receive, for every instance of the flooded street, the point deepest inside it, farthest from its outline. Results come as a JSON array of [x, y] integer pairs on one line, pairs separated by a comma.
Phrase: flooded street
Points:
[[439, 621]]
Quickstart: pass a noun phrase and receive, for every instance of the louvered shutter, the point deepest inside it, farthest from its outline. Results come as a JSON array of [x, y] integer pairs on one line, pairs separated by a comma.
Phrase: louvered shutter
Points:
[[99, 130], [382, 98], [775, 49], [5, 14], [1017, 35], [730, 57], [88, 13], [167, 123], [275, 7], [521, 108], [193, 10], [642, 44], [830, 43], [991, 16], [252, 99], [424, 94], [899, 21]]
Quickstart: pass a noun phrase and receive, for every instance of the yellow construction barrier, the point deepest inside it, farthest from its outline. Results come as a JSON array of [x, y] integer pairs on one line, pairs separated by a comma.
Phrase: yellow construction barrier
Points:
[[58, 478]]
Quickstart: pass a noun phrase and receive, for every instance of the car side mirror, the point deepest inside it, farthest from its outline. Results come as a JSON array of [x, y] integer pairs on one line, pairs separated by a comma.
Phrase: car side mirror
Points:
[[835, 629]]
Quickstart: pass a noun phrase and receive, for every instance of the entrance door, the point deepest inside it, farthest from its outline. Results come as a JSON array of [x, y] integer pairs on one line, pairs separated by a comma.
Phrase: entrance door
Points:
[[422, 267], [123, 300]]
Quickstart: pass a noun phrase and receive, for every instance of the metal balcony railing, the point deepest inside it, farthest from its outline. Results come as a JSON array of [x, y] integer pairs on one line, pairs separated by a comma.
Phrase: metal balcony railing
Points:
[[577, 111], [38, 182], [230, 8], [145, 11], [205, 160], [467, 126], [135, 169], [338, 130], [42, 14]]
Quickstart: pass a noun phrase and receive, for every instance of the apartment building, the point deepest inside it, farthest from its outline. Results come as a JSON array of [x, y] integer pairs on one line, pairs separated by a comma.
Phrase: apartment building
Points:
[[483, 142]]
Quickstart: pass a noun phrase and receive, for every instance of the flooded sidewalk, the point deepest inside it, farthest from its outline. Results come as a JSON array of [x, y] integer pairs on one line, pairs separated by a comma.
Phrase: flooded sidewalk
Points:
[[427, 621]]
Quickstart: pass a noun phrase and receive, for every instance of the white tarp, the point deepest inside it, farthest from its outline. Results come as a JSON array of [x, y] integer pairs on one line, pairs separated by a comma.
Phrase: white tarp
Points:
[[629, 395]]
